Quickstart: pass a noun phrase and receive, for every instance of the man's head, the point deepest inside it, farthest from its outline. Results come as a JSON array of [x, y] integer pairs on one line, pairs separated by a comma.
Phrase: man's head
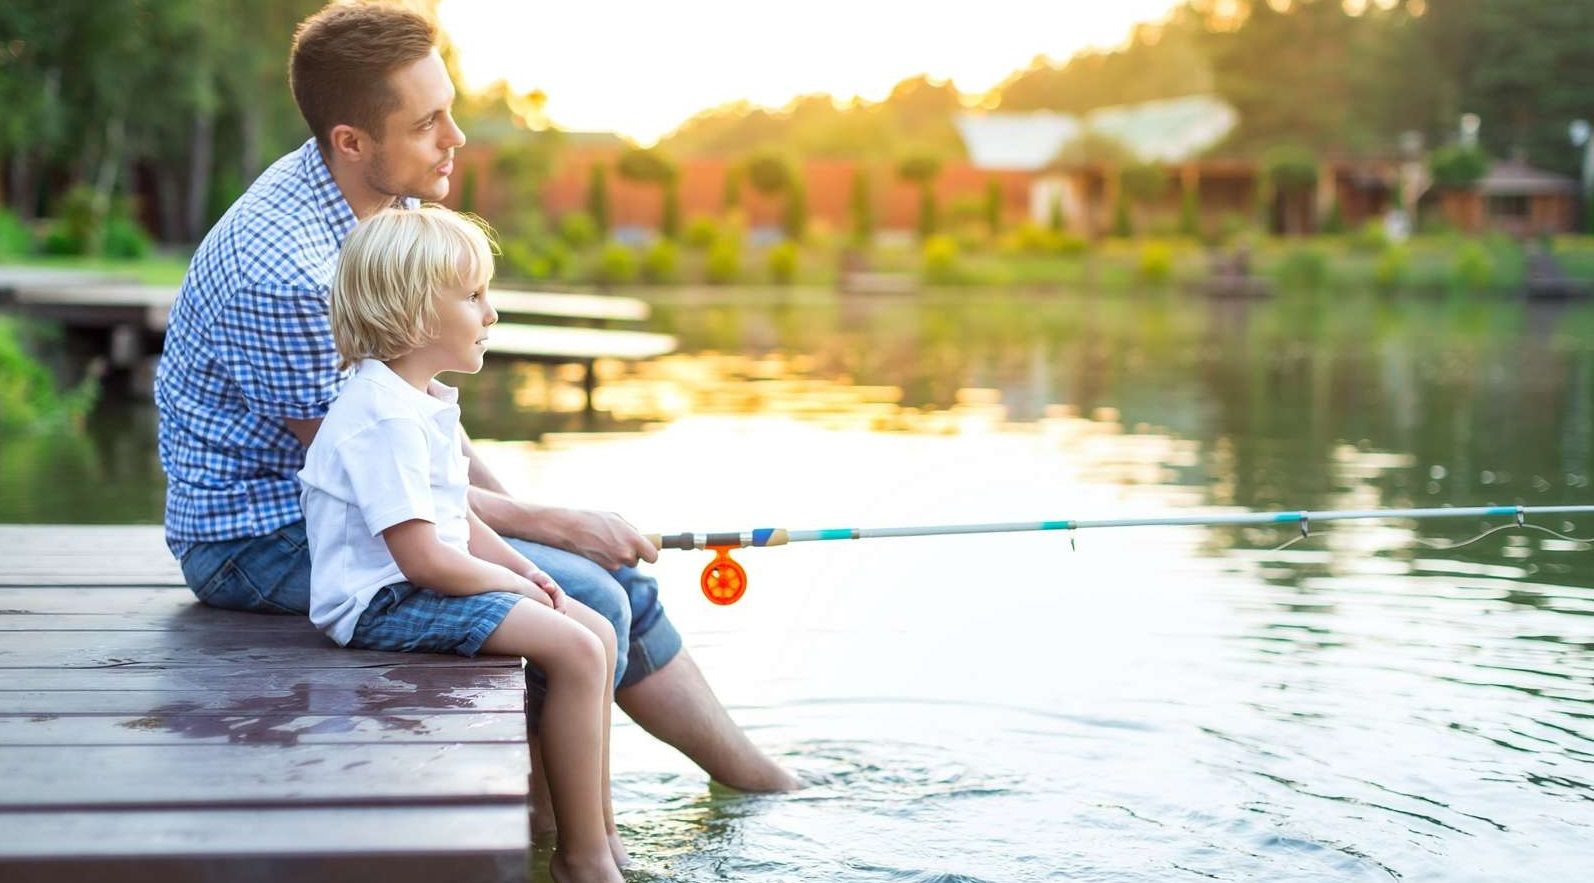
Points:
[[413, 279], [376, 95]]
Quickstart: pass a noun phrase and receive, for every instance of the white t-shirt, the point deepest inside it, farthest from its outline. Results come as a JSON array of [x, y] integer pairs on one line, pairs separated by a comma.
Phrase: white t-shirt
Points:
[[385, 454]]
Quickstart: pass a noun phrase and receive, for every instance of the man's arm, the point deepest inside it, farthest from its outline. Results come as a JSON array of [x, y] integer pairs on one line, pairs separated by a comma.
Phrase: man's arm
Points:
[[602, 537], [303, 430]]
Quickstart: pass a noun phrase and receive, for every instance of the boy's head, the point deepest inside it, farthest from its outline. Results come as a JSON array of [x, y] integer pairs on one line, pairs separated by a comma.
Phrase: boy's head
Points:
[[369, 82], [396, 269]]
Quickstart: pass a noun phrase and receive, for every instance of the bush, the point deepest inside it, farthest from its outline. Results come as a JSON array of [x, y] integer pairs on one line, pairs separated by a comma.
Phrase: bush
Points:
[[1303, 267], [724, 263], [616, 264], [124, 238], [941, 259], [15, 238], [1457, 166], [578, 230], [701, 233], [1155, 265], [523, 260], [28, 397], [1370, 237], [1068, 244], [783, 263], [1394, 263], [661, 262], [1473, 268]]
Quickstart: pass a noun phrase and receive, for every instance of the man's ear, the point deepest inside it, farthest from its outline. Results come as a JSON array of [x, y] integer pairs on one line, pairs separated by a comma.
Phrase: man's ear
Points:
[[349, 143]]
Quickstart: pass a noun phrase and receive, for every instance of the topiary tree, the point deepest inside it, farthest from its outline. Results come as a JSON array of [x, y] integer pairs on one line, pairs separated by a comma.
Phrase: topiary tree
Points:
[[598, 198], [650, 166], [731, 200], [993, 207], [860, 205], [794, 216], [921, 170]]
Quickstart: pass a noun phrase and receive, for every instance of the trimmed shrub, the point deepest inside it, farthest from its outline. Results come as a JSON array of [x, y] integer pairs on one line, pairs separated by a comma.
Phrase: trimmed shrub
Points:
[[661, 262], [724, 264], [1473, 267], [782, 261], [701, 233], [579, 230], [941, 259], [1155, 264], [616, 264]]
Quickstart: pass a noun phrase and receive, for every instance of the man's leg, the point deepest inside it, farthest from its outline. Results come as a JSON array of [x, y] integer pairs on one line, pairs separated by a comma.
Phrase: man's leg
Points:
[[658, 684], [266, 574]]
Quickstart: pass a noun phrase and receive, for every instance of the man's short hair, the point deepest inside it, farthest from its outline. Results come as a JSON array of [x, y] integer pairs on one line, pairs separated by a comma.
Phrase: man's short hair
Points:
[[341, 60], [383, 302]]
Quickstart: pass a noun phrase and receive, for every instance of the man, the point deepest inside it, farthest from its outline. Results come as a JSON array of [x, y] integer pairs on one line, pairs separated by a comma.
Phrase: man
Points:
[[249, 369]]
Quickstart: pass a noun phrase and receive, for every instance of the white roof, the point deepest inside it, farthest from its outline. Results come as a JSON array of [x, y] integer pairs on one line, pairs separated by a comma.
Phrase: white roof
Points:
[[1169, 130]]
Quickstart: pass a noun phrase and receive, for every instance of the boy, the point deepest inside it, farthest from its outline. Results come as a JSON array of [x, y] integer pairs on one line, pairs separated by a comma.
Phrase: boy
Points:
[[398, 561]]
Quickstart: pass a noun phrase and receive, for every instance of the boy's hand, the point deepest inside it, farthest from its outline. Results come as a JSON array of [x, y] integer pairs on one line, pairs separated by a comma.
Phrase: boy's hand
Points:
[[544, 590]]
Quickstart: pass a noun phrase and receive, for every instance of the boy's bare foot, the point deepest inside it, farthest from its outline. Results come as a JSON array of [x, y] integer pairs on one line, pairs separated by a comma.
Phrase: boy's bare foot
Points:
[[601, 869], [622, 859]]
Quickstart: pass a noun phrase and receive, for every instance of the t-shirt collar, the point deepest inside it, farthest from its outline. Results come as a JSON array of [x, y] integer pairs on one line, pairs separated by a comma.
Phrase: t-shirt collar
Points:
[[438, 398]]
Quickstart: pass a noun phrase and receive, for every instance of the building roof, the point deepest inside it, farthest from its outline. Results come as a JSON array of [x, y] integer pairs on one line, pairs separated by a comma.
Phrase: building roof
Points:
[[1517, 178], [1169, 130]]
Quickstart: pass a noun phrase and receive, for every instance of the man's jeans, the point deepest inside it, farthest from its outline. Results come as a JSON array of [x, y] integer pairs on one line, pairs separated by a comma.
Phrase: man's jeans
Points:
[[271, 574]]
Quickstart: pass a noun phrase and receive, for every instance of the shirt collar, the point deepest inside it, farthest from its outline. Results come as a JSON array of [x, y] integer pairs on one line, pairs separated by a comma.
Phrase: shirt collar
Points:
[[439, 398], [335, 208]]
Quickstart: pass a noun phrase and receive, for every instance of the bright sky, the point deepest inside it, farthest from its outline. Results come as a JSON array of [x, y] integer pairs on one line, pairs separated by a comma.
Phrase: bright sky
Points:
[[642, 68]]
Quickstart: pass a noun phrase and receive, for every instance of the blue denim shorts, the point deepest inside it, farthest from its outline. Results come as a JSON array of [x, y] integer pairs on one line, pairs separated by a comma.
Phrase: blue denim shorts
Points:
[[407, 619], [271, 574]]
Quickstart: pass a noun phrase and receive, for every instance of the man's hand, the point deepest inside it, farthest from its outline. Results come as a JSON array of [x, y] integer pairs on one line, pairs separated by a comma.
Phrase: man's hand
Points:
[[605, 538]]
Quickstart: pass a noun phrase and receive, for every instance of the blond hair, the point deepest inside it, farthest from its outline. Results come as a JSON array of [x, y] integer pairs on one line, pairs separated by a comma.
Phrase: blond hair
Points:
[[390, 271]]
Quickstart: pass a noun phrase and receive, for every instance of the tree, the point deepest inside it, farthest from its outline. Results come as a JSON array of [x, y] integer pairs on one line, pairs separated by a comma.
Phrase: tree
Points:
[[598, 197], [1458, 167], [861, 207], [650, 166], [993, 206], [921, 170], [1142, 185], [1291, 173]]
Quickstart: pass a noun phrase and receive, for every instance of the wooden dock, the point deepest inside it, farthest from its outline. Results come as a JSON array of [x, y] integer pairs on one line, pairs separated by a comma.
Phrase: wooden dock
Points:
[[125, 322], [144, 737]]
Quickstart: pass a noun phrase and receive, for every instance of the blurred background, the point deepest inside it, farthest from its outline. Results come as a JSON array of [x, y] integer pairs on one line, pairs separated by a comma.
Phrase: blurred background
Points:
[[877, 264]]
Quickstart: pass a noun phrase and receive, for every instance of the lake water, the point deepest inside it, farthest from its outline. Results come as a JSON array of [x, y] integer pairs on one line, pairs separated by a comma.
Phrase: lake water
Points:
[[1138, 704]]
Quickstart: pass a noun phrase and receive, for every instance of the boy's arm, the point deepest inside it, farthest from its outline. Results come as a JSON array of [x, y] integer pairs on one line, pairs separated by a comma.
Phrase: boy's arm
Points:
[[426, 561]]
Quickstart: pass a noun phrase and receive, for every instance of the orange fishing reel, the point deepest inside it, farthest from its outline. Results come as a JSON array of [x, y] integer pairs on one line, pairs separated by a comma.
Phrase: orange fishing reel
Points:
[[724, 581]]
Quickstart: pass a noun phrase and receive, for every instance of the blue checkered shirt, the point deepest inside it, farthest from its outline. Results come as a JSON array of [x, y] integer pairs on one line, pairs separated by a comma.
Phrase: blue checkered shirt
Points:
[[249, 344]]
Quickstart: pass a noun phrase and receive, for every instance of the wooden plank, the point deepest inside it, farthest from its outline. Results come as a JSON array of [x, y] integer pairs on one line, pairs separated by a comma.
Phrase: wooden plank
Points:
[[443, 687], [554, 343], [166, 728], [302, 700], [23, 601], [464, 843], [298, 649], [53, 555], [592, 307], [204, 775]]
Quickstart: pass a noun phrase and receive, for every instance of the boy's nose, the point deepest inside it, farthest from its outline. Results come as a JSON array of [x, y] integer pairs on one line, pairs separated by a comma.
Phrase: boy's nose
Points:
[[490, 317]]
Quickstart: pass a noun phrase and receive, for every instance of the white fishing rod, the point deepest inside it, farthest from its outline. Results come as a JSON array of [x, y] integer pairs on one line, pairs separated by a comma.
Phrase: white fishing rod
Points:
[[724, 581]]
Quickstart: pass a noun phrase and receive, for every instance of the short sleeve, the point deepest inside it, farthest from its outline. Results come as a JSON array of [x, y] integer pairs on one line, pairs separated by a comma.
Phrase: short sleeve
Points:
[[389, 471], [277, 345]]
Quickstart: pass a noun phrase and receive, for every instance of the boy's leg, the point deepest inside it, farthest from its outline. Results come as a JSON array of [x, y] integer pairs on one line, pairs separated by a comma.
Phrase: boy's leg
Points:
[[265, 574], [658, 684], [576, 664], [605, 632]]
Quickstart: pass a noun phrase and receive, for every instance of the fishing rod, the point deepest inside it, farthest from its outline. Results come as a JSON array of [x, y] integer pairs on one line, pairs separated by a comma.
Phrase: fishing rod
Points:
[[724, 581]]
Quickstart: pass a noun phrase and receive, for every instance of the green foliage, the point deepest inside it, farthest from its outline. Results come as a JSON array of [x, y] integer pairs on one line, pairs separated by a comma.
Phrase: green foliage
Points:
[[701, 233], [1143, 182], [770, 173], [77, 225], [1334, 222], [929, 214], [598, 198], [661, 262], [920, 169], [467, 191], [125, 239], [1304, 268], [1458, 167], [1056, 221], [1473, 268], [782, 262], [670, 221], [993, 206], [617, 264], [794, 215], [1392, 268], [1189, 213], [731, 200], [579, 230], [15, 238], [29, 400], [521, 259], [1121, 226], [646, 166], [941, 260], [1155, 263], [724, 263], [860, 206], [1370, 237], [1290, 169]]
